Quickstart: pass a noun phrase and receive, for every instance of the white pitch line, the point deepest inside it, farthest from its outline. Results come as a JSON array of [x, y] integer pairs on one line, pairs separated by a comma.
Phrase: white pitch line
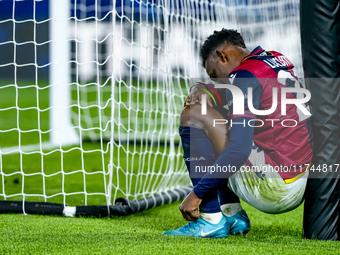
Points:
[[27, 148]]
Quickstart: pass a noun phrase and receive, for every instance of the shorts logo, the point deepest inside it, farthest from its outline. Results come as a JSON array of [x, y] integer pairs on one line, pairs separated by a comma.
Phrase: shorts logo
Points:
[[194, 159]]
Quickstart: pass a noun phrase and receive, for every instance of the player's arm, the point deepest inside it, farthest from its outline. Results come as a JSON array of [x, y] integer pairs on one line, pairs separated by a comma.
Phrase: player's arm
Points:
[[233, 156], [196, 92], [235, 153]]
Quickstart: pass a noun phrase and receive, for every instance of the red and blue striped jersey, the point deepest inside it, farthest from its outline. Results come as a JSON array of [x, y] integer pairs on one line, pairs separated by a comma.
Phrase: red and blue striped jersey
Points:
[[283, 145]]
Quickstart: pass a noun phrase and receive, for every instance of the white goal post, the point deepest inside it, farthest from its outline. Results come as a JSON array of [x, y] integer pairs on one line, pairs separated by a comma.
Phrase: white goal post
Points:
[[62, 130], [104, 125]]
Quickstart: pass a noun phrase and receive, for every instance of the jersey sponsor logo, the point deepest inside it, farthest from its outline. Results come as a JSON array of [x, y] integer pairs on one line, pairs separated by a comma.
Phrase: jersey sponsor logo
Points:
[[230, 103]]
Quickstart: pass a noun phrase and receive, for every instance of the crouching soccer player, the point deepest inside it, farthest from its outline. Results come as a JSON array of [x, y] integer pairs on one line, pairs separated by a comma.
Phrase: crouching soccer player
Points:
[[263, 143]]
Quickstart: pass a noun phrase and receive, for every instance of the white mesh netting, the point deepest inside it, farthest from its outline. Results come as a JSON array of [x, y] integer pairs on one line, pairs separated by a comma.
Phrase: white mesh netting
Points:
[[90, 101]]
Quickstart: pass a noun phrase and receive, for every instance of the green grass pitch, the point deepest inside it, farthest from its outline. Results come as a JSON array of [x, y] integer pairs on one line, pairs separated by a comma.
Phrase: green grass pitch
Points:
[[135, 234], [142, 234]]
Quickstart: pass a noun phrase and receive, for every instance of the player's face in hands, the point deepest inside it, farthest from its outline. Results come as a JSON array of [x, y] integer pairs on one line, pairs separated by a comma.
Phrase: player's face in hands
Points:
[[220, 63], [215, 69]]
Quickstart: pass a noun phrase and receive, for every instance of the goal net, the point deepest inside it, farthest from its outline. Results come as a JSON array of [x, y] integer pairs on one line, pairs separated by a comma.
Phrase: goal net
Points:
[[92, 91]]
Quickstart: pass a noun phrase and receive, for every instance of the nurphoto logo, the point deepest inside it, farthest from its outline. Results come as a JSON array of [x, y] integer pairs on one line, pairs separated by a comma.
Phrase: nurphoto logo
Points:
[[238, 101]]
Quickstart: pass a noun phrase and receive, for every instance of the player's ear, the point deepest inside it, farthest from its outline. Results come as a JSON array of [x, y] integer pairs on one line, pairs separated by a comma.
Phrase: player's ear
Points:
[[221, 56]]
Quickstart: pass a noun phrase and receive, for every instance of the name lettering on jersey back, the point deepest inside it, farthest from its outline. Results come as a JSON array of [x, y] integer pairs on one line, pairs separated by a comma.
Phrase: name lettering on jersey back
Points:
[[277, 62]]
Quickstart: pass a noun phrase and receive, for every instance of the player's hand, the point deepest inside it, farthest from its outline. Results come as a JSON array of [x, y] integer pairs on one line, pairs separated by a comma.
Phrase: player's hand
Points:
[[195, 96], [189, 207]]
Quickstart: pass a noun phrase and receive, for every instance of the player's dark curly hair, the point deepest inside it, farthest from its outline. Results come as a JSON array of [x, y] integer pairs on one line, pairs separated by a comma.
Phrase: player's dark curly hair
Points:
[[230, 36]]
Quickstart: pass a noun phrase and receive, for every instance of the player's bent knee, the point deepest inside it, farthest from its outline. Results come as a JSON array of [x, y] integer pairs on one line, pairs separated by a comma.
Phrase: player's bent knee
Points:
[[192, 116]]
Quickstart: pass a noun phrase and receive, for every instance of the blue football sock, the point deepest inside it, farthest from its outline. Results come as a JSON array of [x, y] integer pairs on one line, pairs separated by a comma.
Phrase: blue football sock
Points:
[[199, 152], [226, 195]]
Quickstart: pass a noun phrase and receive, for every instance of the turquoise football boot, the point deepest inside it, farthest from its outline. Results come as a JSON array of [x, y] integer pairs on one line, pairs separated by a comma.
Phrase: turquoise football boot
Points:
[[239, 224], [202, 228]]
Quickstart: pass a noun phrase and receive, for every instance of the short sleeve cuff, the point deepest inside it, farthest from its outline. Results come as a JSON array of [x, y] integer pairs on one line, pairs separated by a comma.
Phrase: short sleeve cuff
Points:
[[198, 192]]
